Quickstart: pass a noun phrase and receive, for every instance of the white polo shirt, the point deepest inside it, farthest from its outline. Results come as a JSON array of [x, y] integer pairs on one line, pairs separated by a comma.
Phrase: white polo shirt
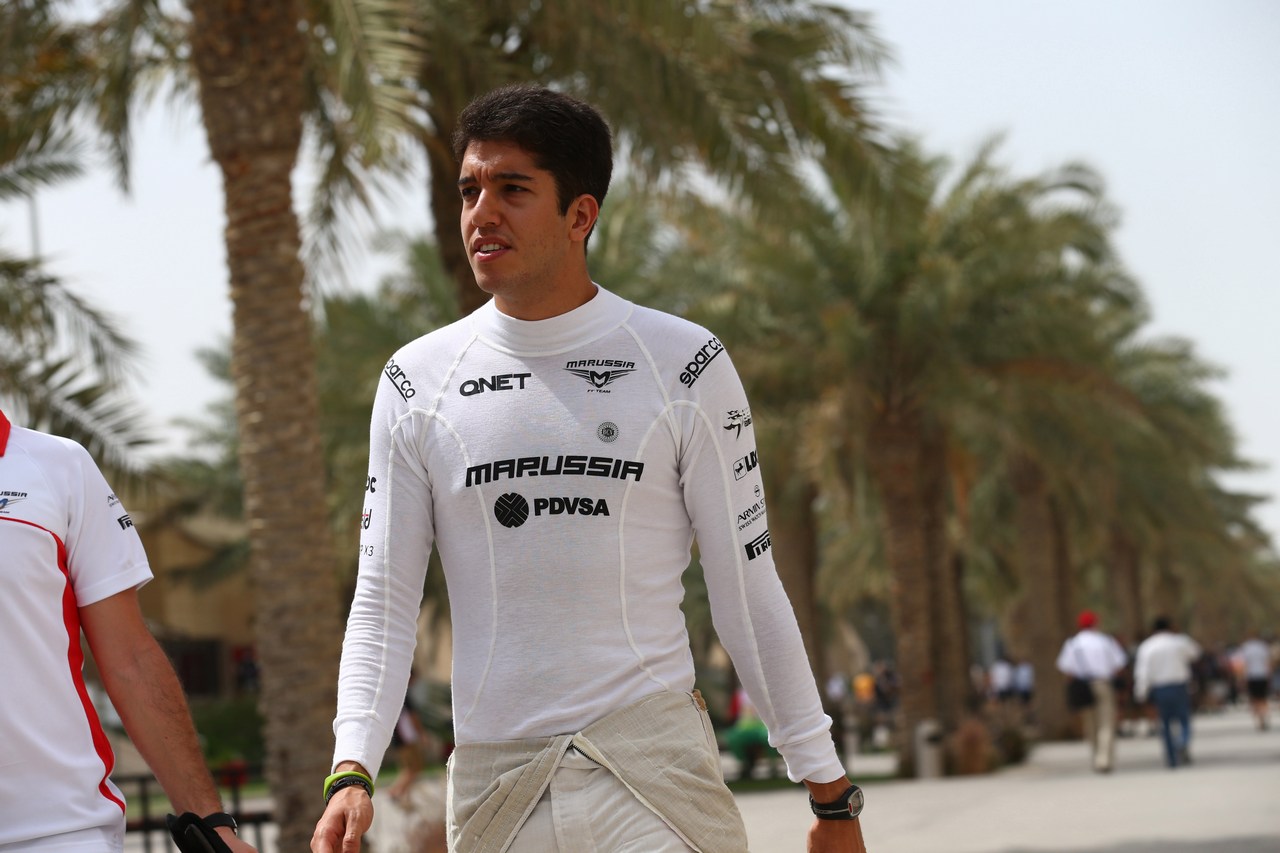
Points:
[[65, 542]]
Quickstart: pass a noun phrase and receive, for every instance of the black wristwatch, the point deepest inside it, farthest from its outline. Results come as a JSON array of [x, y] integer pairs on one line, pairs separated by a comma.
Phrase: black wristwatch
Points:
[[848, 807], [218, 819]]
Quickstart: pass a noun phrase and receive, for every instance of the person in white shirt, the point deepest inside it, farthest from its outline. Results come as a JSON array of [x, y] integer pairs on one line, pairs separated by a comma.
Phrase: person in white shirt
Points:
[[1255, 659], [562, 448], [71, 561], [1162, 671], [1095, 657]]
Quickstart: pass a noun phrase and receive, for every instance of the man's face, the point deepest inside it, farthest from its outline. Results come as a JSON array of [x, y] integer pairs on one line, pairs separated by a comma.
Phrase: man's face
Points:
[[519, 244]]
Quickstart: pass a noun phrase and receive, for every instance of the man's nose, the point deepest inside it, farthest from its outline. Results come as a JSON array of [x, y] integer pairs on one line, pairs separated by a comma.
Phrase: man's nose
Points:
[[485, 211]]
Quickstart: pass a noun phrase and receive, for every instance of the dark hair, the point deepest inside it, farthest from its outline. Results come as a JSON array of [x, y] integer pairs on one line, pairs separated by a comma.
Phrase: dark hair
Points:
[[1162, 623], [565, 136]]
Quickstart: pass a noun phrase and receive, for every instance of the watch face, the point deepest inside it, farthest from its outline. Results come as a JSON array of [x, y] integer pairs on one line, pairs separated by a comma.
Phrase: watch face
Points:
[[856, 802]]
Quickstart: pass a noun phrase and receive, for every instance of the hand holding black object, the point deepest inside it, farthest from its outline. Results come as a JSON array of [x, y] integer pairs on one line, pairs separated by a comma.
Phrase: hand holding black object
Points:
[[193, 835]]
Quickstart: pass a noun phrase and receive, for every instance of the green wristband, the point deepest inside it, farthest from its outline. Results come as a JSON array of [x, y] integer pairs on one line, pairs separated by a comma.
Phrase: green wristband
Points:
[[361, 779]]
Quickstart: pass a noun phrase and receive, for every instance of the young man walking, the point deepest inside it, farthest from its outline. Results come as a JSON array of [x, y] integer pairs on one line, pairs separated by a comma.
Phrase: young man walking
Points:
[[562, 448]]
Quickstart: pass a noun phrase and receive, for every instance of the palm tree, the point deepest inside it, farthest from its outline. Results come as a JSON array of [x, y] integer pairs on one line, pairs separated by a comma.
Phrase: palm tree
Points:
[[64, 363], [742, 88]]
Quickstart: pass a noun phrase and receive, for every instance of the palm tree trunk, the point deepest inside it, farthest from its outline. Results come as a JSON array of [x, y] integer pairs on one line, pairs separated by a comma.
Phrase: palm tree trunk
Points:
[[1126, 583], [249, 61], [950, 616], [1035, 542], [1064, 578], [895, 469], [795, 547], [446, 203]]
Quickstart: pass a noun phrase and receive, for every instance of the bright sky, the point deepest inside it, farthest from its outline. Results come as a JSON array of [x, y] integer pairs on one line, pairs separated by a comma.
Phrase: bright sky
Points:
[[1177, 103]]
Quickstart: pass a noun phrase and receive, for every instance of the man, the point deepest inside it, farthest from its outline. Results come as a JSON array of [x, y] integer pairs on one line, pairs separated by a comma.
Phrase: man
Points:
[[1255, 665], [72, 561], [1162, 670], [1095, 657], [561, 447]]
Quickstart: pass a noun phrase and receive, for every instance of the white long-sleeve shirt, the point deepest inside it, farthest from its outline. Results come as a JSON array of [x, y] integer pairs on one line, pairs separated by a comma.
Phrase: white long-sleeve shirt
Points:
[[1092, 655], [1163, 658], [563, 468]]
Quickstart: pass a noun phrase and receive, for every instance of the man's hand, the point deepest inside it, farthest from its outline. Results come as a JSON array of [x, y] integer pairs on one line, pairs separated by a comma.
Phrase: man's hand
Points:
[[233, 841], [345, 820], [836, 836]]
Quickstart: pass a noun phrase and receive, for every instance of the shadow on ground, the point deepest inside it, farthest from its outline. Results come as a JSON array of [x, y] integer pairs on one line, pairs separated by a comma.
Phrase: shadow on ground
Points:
[[1255, 844]]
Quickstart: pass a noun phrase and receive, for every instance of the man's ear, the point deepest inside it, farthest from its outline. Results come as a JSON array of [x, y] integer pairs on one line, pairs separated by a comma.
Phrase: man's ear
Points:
[[582, 215]]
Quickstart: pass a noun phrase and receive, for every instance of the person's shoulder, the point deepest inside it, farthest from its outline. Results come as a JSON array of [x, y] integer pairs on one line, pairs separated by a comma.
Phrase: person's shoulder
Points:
[[47, 448], [650, 321]]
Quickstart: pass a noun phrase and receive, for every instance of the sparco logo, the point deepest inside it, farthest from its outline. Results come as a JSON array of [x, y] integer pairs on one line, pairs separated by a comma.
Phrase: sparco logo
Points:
[[598, 379], [505, 382], [552, 466], [705, 356], [512, 510], [745, 465], [398, 378], [759, 545], [737, 419]]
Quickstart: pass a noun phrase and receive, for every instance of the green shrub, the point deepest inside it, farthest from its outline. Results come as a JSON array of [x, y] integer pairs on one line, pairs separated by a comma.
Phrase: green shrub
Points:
[[230, 730]]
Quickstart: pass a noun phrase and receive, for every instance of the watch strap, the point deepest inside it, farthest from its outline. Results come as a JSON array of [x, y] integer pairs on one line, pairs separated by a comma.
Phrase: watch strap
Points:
[[218, 819], [847, 807]]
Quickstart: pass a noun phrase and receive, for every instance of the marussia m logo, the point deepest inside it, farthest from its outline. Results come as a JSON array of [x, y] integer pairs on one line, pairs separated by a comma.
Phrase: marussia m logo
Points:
[[7, 499], [598, 379]]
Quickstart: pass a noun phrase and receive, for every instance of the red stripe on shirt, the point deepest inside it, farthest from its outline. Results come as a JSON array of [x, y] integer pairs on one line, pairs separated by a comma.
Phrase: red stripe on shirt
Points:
[[4, 433], [75, 662]]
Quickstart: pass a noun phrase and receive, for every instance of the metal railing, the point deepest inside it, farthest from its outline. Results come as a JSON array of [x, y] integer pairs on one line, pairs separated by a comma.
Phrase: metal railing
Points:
[[146, 830]]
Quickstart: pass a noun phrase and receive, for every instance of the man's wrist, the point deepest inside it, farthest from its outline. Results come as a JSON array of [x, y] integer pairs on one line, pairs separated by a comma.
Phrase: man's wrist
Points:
[[825, 792]]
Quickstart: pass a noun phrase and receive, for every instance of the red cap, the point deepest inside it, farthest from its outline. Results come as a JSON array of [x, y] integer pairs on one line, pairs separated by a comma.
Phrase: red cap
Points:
[[1087, 619]]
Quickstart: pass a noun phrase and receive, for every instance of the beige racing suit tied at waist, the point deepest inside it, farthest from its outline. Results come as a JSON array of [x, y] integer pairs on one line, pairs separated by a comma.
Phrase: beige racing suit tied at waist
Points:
[[661, 747]]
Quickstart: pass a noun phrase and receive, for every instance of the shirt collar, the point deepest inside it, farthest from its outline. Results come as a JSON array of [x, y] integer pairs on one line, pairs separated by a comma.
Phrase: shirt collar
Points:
[[4, 433]]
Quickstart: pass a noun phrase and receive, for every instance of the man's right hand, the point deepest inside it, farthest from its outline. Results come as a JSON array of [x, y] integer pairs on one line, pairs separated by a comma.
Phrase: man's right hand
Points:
[[346, 819]]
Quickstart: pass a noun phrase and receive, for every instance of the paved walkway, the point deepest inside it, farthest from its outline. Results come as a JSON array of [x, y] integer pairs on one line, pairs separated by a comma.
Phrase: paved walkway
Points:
[[1228, 801]]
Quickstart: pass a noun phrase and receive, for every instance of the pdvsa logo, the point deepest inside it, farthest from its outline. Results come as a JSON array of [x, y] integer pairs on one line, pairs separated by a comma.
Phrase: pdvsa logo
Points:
[[600, 379], [745, 465], [512, 510]]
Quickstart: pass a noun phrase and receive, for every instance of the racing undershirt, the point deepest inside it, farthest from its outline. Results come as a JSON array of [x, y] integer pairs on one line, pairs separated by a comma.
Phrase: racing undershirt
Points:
[[563, 468], [65, 542]]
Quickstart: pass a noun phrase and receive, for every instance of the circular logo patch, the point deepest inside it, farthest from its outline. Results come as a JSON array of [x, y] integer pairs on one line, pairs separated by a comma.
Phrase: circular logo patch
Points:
[[607, 432], [511, 510]]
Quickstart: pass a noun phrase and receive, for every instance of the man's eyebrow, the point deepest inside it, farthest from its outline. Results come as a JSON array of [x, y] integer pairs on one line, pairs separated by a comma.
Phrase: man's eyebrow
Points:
[[502, 176]]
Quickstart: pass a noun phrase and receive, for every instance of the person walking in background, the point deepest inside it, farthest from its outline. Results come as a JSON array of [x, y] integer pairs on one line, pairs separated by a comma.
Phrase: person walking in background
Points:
[[1256, 665], [563, 448], [73, 561], [1093, 658], [1162, 672]]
